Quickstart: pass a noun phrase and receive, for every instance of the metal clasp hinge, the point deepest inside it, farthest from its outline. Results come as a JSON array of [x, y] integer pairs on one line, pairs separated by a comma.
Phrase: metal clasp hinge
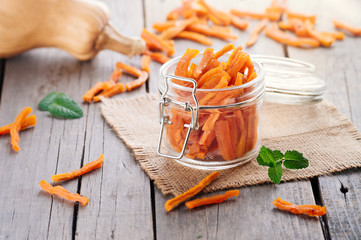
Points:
[[164, 119]]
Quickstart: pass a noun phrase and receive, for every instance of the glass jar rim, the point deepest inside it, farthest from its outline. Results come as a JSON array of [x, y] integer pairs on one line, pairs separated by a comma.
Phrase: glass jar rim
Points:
[[164, 68]]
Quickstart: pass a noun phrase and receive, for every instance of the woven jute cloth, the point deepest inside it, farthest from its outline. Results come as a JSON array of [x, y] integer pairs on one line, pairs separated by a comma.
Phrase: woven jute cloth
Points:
[[325, 137]]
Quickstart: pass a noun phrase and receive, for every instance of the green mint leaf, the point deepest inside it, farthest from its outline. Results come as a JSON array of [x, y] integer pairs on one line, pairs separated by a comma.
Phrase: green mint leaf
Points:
[[47, 101], [65, 107], [295, 160], [277, 155], [265, 157], [275, 173]]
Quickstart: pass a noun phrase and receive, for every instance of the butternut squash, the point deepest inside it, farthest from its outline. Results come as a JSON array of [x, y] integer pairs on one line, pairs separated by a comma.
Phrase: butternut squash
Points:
[[79, 27]]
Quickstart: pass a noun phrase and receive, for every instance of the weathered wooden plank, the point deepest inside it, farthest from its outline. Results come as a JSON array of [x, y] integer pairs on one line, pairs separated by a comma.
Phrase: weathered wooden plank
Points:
[[339, 66], [120, 201], [2, 71], [251, 215], [53, 145]]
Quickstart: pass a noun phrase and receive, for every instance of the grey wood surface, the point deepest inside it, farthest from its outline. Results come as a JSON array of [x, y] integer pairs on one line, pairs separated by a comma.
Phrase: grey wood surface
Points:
[[56, 146], [25, 211], [234, 219], [340, 67], [120, 205], [123, 203]]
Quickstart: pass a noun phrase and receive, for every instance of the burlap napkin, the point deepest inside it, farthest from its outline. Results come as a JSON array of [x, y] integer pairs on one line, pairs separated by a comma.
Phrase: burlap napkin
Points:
[[319, 131]]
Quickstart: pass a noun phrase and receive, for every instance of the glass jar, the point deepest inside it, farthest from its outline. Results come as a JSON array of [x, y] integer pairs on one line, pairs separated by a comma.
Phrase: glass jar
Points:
[[209, 129]]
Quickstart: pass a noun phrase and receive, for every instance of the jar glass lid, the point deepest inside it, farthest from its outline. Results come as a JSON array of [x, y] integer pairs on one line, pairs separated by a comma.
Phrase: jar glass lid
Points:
[[290, 81]]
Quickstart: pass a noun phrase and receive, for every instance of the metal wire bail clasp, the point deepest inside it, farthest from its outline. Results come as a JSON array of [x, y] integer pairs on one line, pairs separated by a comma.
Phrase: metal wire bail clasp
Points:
[[164, 119]]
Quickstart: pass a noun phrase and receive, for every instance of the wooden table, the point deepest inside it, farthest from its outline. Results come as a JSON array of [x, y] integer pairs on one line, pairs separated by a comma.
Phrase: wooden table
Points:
[[124, 203]]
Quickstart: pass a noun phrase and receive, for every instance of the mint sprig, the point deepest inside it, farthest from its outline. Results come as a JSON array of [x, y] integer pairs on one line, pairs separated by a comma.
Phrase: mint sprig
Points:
[[275, 159], [61, 106]]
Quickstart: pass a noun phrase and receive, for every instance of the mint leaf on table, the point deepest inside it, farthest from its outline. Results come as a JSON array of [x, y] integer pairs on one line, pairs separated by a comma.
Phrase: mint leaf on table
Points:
[[275, 159], [60, 105], [275, 172], [65, 107], [295, 160], [47, 101]]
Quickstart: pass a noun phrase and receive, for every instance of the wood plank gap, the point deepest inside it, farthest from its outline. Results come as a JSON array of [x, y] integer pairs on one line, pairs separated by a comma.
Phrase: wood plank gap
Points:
[[284, 46], [154, 215], [75, 219], [145, 26], [2, 73], [316, 188], [76, 205], [348, 95], [285, 50], [56, 169]]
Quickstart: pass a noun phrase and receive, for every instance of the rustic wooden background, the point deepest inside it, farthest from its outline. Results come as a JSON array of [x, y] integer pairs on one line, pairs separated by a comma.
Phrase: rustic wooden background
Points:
[[124, 203]]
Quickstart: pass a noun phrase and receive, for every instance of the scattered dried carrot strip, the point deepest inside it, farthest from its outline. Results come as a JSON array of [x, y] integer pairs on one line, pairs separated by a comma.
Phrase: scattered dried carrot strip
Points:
[[252, 15], [239, 23], [116, 89], [117, 73], [172, 203], [111, 91], [214, 31], [197, 37], [228, 47], [157, 56], [212, 200], [76, 173], [352, 29], [107, 86], [301, 16], [29, 121], [336, 35], [295, 25], [178, 12], [311, 210], [325, 40], [159, 43], [217, 17], [152, 46], [145, 63], [161, 26], [178, 27], [62, 192], [138, 82], [275, 33], [16, 125], [254, 35], [129, 69], [88, 96]]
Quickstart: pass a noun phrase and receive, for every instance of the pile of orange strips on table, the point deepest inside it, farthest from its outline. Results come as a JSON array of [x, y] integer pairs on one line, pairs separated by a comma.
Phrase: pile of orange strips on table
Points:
[[21, 122], [112, 87], [191, 21], [305, 35], [194, 26], [174, 202], [62, 192]]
